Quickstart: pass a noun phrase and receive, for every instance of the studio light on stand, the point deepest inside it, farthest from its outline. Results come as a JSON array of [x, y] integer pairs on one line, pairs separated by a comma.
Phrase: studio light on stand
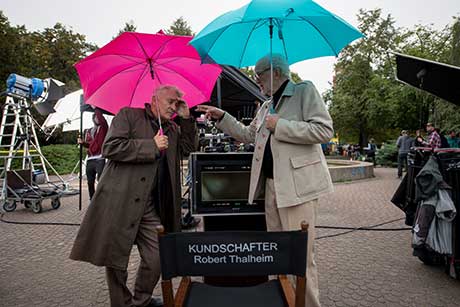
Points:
[[18, 141], [41, 93]]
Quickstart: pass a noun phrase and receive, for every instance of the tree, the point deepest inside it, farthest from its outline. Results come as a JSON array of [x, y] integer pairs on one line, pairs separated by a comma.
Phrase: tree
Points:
[[295, 77], [366, 100], [42, 54], [51, 52], [58, 49], [129, 27], [455, 50], [15, 53], [441, 46], [180, 27], [363, 77]]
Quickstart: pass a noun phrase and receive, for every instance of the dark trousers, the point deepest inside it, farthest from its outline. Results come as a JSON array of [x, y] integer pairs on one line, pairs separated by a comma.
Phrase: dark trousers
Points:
[[93, 167], [148, 272], [402, 162]]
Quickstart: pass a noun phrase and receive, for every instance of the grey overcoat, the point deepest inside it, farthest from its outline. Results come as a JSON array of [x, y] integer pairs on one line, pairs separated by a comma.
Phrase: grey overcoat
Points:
[[299, 166]]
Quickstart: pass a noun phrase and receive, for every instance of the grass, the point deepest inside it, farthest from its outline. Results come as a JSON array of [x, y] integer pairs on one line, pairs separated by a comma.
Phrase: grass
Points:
[[62, 157]]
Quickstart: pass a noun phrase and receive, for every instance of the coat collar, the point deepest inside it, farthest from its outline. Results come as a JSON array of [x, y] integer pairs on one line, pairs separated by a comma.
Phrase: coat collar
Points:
[[288, 92], [148, 111]]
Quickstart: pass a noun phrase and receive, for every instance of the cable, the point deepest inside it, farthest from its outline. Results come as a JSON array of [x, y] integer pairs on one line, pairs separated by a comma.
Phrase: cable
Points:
[[368, 228], [351, 229]]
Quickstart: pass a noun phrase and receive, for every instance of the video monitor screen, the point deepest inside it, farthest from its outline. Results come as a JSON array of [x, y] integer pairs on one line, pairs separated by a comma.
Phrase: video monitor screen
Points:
[[224, 186]]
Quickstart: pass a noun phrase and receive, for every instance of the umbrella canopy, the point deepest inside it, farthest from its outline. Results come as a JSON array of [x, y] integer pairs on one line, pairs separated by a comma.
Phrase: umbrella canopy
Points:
[[68, 114], [297, 29], [127, 70], [439, 79]]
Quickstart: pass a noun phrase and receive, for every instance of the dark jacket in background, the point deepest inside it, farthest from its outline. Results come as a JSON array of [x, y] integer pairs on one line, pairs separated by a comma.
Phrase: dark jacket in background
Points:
[[444, 141], [428, 180]]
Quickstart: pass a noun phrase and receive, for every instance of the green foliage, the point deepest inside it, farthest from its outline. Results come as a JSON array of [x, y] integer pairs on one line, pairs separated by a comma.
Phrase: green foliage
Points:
[[180, 27], [51, 52], [295, 77], [366, 100], [249, 71], [129, 27], [388, 154], [62, 157], [455, 52]]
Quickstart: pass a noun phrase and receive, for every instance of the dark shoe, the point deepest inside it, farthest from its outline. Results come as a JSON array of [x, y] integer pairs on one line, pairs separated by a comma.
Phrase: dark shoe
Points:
[[155, 302]]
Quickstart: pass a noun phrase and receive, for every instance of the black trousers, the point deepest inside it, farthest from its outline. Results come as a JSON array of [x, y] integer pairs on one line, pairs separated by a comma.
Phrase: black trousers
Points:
[[402, 162], [94, 167]]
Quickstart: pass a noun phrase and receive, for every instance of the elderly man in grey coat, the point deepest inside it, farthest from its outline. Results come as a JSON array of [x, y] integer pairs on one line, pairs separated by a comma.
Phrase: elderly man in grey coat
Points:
[[288, 161], [138, 190]]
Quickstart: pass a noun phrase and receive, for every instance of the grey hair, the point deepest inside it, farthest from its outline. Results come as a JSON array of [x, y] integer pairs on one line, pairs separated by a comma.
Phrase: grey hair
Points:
[[279, 62], [166, 87]]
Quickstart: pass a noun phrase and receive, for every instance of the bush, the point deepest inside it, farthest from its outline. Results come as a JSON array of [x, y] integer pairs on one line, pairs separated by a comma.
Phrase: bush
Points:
[[388, 155], [62, 157]]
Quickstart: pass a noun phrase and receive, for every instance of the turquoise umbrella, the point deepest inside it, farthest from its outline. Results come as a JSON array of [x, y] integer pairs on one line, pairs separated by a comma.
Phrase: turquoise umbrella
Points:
[[297, 29]]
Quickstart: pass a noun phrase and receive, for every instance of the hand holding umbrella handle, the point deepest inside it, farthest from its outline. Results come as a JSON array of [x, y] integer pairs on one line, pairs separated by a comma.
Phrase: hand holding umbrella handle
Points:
[[161, 140]]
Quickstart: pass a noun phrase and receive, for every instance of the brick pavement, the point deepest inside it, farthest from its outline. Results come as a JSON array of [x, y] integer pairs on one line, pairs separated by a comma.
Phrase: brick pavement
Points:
[[356, 269]]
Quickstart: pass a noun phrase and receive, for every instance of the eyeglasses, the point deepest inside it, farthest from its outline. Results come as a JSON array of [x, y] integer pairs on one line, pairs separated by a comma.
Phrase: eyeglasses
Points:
[[258, 74]]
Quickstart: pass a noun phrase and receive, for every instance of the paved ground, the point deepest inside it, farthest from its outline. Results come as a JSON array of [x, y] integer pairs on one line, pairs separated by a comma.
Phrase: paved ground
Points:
[[356, 269]]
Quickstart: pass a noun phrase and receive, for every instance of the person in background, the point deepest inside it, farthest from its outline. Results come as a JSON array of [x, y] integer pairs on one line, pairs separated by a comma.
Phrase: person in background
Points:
[[404, 143], [444, 142], [288, 161], [418, 141], [433, 139], [453, 140], [371, 150], [93, 140]]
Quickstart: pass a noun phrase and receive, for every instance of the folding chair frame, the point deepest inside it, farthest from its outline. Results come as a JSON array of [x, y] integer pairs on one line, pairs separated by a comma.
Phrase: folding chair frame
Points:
[[292, 298]]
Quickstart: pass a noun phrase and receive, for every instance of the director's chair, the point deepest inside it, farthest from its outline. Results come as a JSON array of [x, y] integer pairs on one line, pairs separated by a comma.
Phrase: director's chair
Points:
[[234, 253]]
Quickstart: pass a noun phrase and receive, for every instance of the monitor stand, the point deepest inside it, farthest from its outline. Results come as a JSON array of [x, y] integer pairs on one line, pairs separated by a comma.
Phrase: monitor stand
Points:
[[234, 222]]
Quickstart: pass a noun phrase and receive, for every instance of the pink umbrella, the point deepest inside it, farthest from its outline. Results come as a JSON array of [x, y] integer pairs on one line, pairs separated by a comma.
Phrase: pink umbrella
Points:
[[127, 70]]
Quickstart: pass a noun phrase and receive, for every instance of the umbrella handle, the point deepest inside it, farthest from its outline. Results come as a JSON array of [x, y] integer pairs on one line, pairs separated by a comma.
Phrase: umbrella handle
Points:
[[161, 133]]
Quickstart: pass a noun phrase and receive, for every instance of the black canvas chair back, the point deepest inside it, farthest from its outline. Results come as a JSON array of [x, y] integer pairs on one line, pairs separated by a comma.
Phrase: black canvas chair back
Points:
[[237, 253], [232, 253]]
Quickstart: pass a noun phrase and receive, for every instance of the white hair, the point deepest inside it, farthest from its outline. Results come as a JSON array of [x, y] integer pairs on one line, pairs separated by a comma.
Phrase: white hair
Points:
[[166, 87], [279, 62]]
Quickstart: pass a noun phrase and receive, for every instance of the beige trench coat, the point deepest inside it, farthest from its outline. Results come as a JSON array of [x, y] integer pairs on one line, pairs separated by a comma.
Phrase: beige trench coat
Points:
[[109, 228], [299, 166]]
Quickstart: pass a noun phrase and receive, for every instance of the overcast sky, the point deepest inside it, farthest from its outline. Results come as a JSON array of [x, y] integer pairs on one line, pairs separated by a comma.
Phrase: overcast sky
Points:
[[101, 20]]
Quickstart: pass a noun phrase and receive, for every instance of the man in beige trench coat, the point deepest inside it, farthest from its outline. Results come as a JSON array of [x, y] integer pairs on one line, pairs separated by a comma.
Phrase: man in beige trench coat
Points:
[[288, 160], [139, 189]]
